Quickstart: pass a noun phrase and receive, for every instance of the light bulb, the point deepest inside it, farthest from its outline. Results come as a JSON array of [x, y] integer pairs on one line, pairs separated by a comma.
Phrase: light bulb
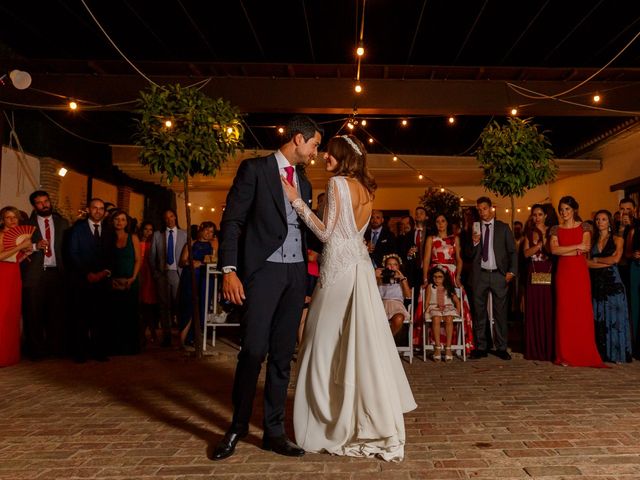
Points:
[[350, 126], [596, 98], [358, 88], [73, 105], [442, 190], [420, 177], [528, 208], [168, 124], [493, 209], [363, 123], [514, 111], [371, 140], [313, 162], [506, 210], [518, 210], [280, 130], [395, 159], [62, 171], [404, 123], [462, 199], [452, 120], [213, 209], [360, 51], [189, 204]]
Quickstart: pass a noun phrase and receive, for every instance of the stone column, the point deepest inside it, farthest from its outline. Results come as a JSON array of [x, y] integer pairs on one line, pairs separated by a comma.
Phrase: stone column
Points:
[[49, 178], [124, 198]]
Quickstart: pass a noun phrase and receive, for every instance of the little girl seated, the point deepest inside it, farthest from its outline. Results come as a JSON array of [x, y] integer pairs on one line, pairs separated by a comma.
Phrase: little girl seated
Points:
[[394, 288], [442, 303]]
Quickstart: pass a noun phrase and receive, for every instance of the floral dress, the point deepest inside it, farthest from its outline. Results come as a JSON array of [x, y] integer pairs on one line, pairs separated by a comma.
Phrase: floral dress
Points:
[[443, 255]]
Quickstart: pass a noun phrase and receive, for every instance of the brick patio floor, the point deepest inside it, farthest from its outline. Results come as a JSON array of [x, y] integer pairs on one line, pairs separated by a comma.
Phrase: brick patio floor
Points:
[[157, 415]]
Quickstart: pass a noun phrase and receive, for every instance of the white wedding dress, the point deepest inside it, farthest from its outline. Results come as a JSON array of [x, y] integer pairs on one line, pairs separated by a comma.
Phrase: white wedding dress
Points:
[[352, 390]]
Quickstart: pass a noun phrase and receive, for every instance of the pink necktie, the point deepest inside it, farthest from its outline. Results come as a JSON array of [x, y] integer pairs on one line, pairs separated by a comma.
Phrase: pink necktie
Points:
[[289, 171]]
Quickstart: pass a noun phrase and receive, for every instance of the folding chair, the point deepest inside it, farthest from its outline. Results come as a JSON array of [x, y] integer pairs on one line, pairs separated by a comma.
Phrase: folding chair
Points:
[[408, 350], [460, 338]]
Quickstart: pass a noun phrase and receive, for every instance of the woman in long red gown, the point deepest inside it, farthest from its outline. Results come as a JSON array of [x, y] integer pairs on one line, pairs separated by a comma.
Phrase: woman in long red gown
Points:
[[575, 334], [10, 291]]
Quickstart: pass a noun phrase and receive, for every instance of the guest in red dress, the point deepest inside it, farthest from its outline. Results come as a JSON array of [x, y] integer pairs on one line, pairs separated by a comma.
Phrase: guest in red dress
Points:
[[11, 290], [575, 335], [148, 300]]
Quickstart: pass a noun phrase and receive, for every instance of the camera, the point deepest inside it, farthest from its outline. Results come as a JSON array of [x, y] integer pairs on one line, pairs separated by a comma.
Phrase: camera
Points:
[[388, 275]]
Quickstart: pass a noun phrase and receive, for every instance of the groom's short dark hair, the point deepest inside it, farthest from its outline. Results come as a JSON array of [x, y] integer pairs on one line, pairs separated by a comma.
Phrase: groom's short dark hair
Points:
[[304, 125]]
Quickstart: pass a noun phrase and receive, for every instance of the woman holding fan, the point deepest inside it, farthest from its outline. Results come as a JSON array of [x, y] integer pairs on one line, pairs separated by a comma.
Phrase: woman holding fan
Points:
[[14, 247]]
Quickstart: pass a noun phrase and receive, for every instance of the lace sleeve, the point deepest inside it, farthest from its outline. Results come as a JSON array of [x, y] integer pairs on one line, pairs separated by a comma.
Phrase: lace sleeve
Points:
[[554, 231], [586, 227], [321, 230]]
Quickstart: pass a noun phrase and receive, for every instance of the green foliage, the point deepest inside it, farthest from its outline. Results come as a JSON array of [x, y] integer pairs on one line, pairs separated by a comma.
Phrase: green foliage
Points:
[[204, 132], [436, 202], [515, 158]]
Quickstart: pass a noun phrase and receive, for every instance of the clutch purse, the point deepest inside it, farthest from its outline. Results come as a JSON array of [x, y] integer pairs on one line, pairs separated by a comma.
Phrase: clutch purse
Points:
[[540, 278], [119, 284]]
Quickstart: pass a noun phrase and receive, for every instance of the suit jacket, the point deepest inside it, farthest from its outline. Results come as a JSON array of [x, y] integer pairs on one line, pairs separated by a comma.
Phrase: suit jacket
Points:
[[386, 244], [504, 248], [33, 267], [85, 254], [158, 253], [254, 222]]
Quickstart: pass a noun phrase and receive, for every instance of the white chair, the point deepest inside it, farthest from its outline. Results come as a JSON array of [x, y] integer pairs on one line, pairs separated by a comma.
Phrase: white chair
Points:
[[407, 351], [212, 318], [460, 340]]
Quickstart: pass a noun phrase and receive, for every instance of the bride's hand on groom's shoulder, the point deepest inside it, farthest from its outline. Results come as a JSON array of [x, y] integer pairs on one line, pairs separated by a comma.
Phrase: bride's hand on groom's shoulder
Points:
[[289, 189]]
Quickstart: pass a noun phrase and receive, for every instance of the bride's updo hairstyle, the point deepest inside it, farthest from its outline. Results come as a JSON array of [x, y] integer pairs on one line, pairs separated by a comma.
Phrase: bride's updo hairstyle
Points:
[[352, 160]]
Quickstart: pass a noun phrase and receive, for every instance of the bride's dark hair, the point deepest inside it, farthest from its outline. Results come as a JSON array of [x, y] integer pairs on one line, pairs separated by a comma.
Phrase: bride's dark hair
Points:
[[350, 162]]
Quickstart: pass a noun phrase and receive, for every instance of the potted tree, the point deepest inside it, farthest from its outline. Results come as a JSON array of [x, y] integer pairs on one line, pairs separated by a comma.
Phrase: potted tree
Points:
[[515, 157], [183, 132], [435, 202]]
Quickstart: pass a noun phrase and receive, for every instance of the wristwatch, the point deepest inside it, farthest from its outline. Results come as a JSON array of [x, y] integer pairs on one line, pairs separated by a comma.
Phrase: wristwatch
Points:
[[228, 269]]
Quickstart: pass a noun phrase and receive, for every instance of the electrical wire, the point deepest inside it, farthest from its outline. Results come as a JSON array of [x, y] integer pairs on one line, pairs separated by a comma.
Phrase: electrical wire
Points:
[[306, 22], [253, 30], [522, 34], [116, 46], [473, 27], [415, 35], [65, 129]]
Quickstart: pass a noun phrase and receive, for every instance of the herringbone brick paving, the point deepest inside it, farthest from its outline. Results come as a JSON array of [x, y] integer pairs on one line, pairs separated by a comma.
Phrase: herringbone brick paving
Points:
[[157, 414]]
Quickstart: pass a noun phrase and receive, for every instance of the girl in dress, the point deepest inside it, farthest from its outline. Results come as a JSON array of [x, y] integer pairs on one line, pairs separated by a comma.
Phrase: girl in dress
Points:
[[393, 290], [442, 304], [351, 390], [148, 298]]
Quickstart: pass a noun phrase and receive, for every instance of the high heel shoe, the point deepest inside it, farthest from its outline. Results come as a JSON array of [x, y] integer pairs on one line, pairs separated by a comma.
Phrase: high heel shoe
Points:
[[448, 355], [437, 354]]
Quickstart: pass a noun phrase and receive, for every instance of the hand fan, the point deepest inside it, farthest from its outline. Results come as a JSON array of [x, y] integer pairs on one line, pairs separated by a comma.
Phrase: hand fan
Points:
[[13, 237]]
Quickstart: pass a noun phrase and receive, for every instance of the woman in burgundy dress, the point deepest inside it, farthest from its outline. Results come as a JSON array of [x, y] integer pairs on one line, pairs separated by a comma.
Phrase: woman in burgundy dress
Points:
[[538, 320], [575, 335]]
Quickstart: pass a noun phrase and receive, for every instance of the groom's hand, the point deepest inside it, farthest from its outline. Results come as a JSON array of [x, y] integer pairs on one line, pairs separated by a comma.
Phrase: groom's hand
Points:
[[232, 289]]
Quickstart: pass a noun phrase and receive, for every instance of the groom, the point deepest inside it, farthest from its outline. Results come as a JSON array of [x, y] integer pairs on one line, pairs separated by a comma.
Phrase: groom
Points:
[[263, 259]]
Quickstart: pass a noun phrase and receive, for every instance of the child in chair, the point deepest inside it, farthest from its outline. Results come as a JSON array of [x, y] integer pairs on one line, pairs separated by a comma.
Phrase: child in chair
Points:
[[442, 304]]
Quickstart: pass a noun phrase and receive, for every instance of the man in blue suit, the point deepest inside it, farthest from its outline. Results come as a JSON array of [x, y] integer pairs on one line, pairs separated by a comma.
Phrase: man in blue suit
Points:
[[90, 255]]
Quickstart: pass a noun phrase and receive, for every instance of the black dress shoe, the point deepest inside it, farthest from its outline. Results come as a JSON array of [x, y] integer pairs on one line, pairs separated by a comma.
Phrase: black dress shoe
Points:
[[282, 446], [227, 445], [503, 354], [477, 354]]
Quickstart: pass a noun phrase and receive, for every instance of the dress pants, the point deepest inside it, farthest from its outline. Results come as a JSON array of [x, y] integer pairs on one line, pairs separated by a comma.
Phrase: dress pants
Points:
[[45, 328], [91, 319], [269, 323], [167, 290], [496, 284]]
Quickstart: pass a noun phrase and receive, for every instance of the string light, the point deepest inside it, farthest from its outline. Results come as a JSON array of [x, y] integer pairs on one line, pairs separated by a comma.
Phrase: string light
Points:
[[404, 122], [313, 162], [506, 210], [518, 210], [189, 204], [371, 140], [514, 111], [493, 209], [358, 88], [441, 190], [213, 209], [528, 208], [363, 123], [360, 51], [395, 159], [62, 171], [168, 123], [462, 199], [452, 120], [420, 177], [596, 98], [350, 126], [73, 105], [280, 130]]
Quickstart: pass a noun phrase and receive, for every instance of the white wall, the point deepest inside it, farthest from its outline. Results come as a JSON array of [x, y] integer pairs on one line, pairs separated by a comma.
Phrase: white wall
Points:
[[15, 184]]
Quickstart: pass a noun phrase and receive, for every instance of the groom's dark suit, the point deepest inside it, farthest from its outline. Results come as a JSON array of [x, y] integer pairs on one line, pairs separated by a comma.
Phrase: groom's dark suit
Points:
[[255, 227]]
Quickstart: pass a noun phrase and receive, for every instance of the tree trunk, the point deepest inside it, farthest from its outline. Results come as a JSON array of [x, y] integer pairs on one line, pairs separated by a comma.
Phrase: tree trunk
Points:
[[195, 288], [513, 212]]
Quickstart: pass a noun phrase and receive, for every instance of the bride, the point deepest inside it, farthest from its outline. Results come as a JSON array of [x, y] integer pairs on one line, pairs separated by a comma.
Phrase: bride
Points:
[[352, 390]]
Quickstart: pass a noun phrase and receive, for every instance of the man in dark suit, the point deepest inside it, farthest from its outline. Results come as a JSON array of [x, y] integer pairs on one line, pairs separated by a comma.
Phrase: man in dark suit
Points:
[[495, 264], [43, 292], [380, 240], [90, 254], [166, 248], [263, 260]]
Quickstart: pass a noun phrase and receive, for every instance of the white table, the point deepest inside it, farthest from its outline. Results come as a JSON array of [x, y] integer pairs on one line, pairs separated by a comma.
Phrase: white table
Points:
[[212, 318]]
